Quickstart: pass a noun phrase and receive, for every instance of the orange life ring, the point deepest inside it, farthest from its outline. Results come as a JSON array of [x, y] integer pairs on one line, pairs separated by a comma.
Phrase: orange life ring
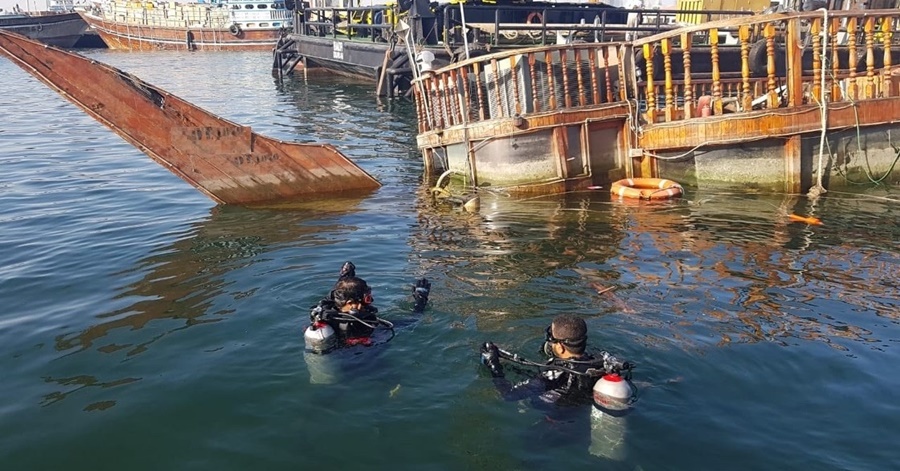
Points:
[[646, 188], [534, 17]]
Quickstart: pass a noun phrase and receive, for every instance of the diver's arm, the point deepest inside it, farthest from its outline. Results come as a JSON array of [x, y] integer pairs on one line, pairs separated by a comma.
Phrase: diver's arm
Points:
[[490, 357], [421, 290]]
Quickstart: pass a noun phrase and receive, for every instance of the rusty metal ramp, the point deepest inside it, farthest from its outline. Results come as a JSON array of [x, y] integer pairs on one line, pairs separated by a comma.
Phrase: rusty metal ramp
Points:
[[226, 161]]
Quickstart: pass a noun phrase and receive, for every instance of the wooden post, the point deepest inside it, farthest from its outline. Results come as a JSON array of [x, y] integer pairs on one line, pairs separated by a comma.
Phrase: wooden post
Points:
[[548, 58], [581, 97], [869, 28], [563, 60], [716, 74], [746, 96], [651, 93], [666, 44], [513, 66], [886, 37], [794, 63], [793, 147], [852, 88], [686, 39], [816, 33], [535, 101], [769, 32], [595, 86]]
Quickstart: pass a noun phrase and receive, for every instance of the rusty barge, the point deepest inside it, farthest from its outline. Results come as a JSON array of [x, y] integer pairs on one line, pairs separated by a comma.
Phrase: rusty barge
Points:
[[224, 160], [784, 102]]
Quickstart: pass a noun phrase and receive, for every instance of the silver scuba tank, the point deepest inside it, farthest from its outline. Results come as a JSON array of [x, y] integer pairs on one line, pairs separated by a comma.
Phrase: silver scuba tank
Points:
[[319, 337]]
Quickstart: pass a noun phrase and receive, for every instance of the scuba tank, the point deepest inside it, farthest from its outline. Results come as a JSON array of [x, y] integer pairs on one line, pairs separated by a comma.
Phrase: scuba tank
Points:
[[320, 337], [613, 395]]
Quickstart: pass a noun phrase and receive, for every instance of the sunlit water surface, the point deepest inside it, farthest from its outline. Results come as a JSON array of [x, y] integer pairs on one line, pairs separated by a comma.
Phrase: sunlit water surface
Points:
[[145, 327]]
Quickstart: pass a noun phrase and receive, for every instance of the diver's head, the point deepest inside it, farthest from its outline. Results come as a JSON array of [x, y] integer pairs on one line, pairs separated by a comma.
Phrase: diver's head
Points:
[[351, 293], [566, 336]]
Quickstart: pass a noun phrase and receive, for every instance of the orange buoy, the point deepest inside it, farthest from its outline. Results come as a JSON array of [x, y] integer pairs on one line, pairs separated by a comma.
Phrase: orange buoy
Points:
[[646, 188]]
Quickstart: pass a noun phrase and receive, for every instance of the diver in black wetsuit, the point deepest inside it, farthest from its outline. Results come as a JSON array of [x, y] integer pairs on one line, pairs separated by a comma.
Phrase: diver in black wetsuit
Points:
[[346, 317], [569, 374]]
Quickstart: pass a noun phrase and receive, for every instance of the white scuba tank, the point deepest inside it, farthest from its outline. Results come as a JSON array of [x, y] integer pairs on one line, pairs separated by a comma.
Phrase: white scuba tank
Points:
[[319, 337], [613, 396]]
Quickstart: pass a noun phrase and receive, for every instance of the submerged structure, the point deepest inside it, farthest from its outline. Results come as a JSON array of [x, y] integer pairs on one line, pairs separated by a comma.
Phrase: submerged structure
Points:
[[784, 102], [224, 160]]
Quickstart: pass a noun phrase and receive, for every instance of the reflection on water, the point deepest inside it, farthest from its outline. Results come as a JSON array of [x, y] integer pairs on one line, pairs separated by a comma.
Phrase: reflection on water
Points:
[[180, 282]]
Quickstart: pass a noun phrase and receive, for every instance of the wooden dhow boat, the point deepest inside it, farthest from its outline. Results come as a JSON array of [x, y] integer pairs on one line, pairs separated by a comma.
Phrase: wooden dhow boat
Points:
[[226, 161], [784, 102], [226, 25]]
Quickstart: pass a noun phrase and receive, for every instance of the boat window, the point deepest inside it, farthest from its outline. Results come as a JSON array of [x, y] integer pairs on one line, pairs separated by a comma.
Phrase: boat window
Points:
[[249, 7], [276, 25], [264, 25], [262, 6]]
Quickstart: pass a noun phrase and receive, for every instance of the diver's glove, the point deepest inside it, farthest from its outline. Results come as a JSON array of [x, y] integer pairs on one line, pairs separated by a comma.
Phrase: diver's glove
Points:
[[490, 357], [348, 269], [421, 290]]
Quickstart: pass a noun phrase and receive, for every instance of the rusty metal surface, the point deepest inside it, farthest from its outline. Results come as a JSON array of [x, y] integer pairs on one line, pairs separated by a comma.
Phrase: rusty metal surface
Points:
[[224, 160]]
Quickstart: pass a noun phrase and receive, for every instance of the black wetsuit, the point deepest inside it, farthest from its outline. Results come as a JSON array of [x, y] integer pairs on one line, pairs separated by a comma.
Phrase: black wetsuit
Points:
[[553, 386]]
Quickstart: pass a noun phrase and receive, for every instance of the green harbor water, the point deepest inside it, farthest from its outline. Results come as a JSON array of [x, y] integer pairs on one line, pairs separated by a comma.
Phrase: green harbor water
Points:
[[146, 328]]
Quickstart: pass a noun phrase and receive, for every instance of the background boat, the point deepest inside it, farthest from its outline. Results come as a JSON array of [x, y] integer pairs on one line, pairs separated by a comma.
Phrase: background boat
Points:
[[222, 25], [58, 25]]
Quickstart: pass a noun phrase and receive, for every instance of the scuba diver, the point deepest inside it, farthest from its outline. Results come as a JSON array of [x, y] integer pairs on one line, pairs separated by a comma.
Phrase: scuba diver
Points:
[[569, 374], [569, 377], [346, 317]]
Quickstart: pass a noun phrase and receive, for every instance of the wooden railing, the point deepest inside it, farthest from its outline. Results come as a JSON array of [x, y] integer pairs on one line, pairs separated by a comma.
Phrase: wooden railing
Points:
[[779, 60], [520, 83]]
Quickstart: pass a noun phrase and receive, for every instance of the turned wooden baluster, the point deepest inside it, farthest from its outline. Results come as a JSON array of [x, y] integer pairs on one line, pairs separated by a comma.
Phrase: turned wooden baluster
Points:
[[548, 58], [716, 74], [769, 32], [567, 98], [870, 57], [452, 97], [815, 31], [667, 67], [476, 69], [514, 74], [437, 110], [420, 112], [595, 84], [467, 97], [498, 90], [886, 37], [608, 75], [853, 62], [581, 97], [746, 96], [686, 40], [535, 88], [834, 26], [651, 94]]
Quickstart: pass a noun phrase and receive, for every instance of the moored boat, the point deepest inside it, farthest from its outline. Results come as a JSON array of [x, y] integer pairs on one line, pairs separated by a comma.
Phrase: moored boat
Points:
[[726, 103], [225, 25], [57, 26]]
